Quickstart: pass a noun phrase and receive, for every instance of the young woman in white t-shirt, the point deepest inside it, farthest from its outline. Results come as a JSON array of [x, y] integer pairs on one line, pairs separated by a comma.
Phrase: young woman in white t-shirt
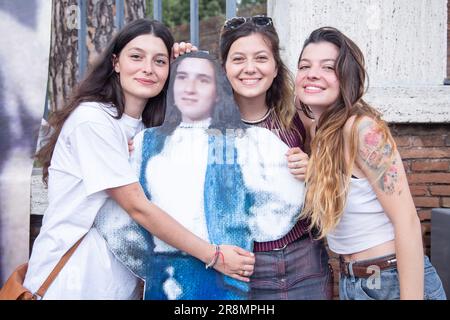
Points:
[[357, 191], [86, 161], [204, 157]]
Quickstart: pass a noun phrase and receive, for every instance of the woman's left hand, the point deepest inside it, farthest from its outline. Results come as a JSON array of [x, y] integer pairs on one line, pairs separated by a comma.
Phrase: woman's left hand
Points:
[[297, 163], [181, 48]]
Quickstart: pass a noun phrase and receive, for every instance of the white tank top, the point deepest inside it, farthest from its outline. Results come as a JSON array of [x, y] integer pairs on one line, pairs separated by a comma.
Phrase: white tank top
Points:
[[363, 224]]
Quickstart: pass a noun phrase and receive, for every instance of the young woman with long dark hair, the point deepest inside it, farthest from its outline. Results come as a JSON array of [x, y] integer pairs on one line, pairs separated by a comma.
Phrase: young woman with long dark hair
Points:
[[294, 266], [86, 162]]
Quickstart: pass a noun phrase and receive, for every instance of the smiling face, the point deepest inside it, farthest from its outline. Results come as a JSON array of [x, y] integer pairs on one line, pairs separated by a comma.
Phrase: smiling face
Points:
[[251, 66], [316, 83], [195, 89], [143, 68]]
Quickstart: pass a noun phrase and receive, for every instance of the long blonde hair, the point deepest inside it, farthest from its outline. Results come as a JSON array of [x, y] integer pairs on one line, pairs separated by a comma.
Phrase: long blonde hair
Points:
[[329, 173]]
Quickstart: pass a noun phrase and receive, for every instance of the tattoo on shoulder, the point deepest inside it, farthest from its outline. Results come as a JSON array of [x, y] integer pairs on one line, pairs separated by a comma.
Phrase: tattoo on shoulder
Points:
[[377, 155]]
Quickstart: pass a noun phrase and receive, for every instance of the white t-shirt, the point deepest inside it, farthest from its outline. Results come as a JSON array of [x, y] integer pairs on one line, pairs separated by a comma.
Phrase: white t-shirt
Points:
[[181, 166], [186, 154], [175, 177], [90, 156]]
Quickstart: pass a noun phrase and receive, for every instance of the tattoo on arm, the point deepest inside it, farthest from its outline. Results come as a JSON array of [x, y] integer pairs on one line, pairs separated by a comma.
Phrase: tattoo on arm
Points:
[[377, 156]]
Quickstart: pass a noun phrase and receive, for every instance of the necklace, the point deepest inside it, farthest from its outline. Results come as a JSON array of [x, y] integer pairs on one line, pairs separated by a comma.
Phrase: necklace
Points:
[[258, 120]]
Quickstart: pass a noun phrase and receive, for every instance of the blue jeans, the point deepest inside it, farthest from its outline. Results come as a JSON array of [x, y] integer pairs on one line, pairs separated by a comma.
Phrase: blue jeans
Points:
[[354, 288], [300, 271]]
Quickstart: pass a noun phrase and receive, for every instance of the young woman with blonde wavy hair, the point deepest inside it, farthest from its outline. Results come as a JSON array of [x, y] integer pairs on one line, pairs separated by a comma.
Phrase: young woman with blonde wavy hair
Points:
[[294, 267], [357, 191]]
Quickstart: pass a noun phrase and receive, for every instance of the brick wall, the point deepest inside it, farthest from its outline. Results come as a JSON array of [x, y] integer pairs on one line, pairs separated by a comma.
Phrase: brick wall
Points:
[[425, 150]]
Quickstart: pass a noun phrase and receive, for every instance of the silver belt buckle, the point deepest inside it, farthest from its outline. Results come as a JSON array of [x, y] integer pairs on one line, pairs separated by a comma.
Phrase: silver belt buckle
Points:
[[391, 261], [281, 248]]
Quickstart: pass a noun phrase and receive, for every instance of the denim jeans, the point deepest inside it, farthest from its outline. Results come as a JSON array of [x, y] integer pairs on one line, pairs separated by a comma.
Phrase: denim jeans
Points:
[[388, 287], [300, 271]]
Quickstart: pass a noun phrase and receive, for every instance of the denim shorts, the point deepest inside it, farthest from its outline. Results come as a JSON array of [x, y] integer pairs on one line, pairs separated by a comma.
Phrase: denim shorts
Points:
[[388, 286], [300, 271]]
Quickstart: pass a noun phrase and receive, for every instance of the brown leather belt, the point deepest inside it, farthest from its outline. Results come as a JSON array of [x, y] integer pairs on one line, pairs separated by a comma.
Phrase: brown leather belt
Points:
[[366, 268]]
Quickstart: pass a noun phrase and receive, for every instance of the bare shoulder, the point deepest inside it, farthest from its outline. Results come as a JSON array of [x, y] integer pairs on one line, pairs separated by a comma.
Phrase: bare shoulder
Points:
[[374, 134], [349, 126], [377, 155], [365, 125]]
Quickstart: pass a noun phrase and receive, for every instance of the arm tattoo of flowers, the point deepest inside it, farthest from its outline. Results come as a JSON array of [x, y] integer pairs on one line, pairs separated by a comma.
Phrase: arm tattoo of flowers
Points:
[[377, 155]]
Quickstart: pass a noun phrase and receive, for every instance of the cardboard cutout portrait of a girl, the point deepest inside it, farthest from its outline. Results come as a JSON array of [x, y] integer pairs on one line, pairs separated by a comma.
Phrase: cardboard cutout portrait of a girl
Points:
[[225, 181]]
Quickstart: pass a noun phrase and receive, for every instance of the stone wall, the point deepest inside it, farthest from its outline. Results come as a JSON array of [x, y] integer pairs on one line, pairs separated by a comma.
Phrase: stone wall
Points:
[[448, 42], [404, 42]]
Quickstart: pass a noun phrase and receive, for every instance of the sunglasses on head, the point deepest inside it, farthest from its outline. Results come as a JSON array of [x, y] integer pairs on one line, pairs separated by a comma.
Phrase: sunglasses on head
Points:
[[236, 22]]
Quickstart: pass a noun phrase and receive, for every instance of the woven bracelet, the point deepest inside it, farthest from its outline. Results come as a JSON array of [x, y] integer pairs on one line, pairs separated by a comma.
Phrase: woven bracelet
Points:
[[215, 258]]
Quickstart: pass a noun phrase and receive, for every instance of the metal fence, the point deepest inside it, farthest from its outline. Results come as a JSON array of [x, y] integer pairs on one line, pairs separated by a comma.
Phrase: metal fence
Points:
[[157, 14]]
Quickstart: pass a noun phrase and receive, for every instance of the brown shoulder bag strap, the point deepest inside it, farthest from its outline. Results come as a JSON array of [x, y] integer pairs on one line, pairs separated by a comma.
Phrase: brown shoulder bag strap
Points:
[[43, 289]]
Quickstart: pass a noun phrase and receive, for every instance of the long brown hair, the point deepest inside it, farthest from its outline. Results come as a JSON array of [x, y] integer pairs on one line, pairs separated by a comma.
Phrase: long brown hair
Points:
[[280, 94], [102, 85], [329, 173]]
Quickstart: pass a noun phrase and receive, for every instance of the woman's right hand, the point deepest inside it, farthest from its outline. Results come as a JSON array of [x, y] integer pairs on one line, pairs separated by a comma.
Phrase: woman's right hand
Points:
[[297, 163], [181, 48], [235, 262]]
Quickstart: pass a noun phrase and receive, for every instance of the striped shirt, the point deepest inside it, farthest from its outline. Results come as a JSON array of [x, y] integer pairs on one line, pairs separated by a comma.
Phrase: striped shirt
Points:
[[293, 138]]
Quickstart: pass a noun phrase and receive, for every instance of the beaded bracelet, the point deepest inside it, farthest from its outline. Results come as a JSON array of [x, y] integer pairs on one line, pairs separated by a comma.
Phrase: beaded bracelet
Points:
[[214, 259]]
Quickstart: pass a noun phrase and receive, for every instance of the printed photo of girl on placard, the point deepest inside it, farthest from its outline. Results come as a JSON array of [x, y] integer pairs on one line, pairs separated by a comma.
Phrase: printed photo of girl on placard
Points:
[[225, 181]]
